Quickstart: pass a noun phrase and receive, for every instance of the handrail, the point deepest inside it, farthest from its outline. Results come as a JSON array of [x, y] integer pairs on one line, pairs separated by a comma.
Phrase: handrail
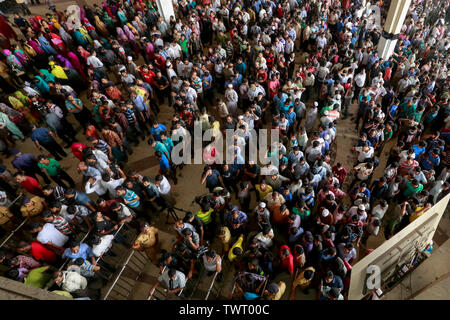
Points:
[[211, 286], [153, 291], [119, 274], [12, 233], [20, 226]]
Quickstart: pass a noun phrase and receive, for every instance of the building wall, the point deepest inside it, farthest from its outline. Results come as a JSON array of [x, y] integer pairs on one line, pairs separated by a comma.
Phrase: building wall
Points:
[[14, 290], [397, 250]]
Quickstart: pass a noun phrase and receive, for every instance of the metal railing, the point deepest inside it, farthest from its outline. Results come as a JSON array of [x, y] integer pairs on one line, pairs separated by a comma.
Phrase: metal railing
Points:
[[211, 286], [135, 261], [213, 282], [12, 233], [163, 294]]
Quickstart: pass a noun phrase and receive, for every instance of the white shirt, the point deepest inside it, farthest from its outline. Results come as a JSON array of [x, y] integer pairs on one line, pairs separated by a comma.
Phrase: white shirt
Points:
[[111, 186], [362, 155], [96, 187], [73, 281], [379, 212], [104, 245], [360, 79], [50, 234], [164, 186], [94, 62]]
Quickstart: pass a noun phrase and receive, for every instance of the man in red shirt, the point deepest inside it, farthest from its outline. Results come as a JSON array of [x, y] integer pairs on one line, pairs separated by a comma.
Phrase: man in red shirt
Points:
[[38, 251], [339, 172], [147, 75], [30, 184], [287, 260]]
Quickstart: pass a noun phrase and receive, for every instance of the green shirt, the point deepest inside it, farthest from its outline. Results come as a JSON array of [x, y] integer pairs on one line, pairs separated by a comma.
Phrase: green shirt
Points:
[[410, 190], [184, 46], [37, 278], [52, 168]]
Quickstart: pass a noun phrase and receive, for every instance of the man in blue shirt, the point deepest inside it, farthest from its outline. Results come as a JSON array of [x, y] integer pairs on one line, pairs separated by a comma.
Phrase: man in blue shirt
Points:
[[74, 197], [156, 130], [164, 165], [419, 149], [159, 146], [42, 137], [430, 160], [79, 250], [240, 66]]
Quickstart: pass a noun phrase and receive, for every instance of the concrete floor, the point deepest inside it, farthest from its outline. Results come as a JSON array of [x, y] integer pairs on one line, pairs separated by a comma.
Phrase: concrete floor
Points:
[[189, 186]]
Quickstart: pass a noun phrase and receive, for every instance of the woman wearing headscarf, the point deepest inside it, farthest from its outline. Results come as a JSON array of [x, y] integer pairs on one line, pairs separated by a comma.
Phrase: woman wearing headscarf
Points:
[[58, 72], [12, 62], [16, 117], [65, 63], [101, 27], [41, 85], [80, 38], [57, 42], [15, 131], [109, 22], [67, 38], [90, 29], [83, 53], [21, 55], [46, 46], [122, 17], [35, 25], [73, 58], [77, 150], [121, 36], [46, 75], [19, 106]]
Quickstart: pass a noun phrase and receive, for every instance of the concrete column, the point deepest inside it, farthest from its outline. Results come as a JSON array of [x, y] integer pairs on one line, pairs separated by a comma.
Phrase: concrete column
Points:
[[165, 9], [392, 26]]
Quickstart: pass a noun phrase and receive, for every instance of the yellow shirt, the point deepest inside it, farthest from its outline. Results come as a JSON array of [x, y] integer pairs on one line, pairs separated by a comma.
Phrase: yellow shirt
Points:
[[237, 244], [226, 239], [279, 294], [301, 281], [263, 194], [145, 241], [419, 211]]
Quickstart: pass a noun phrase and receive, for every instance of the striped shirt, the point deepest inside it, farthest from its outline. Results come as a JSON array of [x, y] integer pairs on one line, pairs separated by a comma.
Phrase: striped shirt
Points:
[[129, 114], [131, 196], [61, 225], [102, 146]]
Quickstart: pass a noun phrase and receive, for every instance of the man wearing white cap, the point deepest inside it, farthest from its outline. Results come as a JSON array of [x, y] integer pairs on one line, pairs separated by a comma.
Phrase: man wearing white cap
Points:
[[261, 210], [359, 210], [325, 218], [232, 100]]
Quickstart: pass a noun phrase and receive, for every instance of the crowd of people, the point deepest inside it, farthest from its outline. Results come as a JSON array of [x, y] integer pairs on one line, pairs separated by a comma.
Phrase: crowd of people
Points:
[[297, 66]]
